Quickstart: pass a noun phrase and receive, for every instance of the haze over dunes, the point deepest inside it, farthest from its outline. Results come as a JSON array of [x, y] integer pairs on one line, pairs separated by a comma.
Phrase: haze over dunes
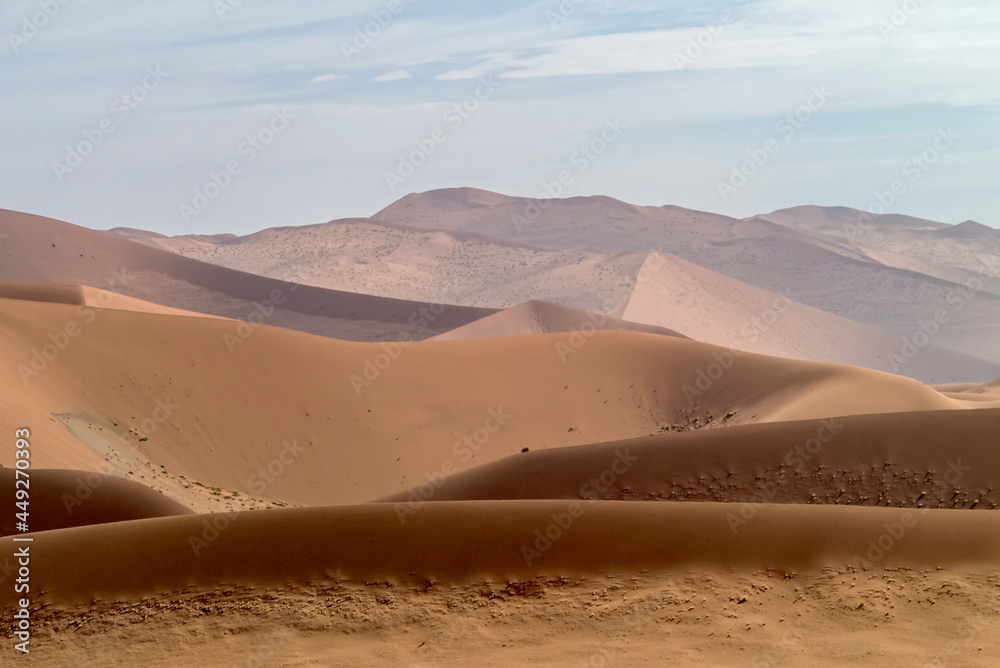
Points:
[[833, 274], [43, 250], [707, 276]]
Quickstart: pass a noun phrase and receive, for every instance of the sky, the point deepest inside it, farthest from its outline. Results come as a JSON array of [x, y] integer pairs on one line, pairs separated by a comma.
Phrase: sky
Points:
[[207, 116]]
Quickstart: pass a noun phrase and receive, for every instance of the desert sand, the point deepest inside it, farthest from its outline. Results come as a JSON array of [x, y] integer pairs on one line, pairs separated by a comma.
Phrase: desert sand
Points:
[[361, 420], [538, 317], [533, 485]]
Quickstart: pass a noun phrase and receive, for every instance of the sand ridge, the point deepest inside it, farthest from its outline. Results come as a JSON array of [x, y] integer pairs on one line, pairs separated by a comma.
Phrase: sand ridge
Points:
[[462, 542], [339, 437]]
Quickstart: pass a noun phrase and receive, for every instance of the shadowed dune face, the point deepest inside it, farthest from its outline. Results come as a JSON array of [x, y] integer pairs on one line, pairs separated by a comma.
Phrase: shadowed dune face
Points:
[[62, 498], [464, 542], [932, 459]]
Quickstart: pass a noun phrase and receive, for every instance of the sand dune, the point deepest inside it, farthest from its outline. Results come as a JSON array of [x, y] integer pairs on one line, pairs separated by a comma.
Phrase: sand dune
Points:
[[341, 422], [971, 391], [464, 542], [62, 498], [829, 271], [157, 240], [713, 308], [87, 297], [295, 418], [436, 430], [656, 289], [832, 220], [579, 252], [43, 250], [933, 459], [537, 317], [472, 429]]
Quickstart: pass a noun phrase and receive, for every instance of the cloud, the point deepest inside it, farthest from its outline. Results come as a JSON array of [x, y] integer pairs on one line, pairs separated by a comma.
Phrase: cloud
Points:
[[891, 89], [395, 75], [778, 34], [327, 77]]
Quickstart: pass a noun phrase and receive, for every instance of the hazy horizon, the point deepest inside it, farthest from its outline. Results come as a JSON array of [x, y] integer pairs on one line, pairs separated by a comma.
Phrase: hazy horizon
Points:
[[831, 104]]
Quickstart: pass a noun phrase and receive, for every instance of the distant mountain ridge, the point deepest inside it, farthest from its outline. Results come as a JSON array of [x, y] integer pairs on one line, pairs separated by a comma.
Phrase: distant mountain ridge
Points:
[[592, 254]]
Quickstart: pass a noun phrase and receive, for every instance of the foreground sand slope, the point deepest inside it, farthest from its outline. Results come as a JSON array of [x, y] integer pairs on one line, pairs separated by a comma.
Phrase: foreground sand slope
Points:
[[865, 618], [43, 250], [462, 542], [309, 420]]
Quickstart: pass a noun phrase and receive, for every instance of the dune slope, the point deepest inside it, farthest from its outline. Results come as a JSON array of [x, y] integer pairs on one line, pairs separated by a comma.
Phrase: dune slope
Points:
[[306, 419], [828, 272], [537, 317], [43, 250], [62, 498], [934, 459], [462, 542], [86, 297]]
